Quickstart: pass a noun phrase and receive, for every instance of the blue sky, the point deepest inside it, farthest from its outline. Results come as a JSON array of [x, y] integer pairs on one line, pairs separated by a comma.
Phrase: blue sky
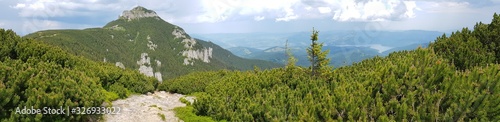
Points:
[[243, 16]]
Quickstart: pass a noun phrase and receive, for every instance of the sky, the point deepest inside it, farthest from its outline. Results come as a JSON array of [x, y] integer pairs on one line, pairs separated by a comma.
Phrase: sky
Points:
[[247, 16]]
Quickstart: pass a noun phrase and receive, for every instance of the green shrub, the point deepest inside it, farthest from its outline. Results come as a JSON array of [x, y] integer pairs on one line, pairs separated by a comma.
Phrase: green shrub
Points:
[[38, 75], [191, 83], [120, 90], [187, 114], [183, 100], [407, 85], [110, 96]]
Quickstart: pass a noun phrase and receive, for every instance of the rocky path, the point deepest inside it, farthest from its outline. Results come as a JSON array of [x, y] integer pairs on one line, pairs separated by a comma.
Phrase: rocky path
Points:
[[147, 108]]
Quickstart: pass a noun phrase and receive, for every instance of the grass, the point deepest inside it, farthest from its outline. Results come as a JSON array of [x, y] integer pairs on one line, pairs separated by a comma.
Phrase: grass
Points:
[[161, 109], [187, 114], [162, 116], [183, 100]]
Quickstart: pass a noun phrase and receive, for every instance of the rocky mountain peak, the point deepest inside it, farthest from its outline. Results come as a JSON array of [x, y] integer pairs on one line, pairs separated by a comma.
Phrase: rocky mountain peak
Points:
[[137, 13]]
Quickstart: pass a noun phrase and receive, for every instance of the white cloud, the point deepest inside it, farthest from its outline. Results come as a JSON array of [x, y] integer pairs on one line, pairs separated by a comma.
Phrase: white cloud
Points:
[[216, 11], [201, 11], [35, 25], [368, 10], [61, 8], [38, 8], [19, 5], [261, 6], [198, 12], [308, 8], [410, 5], [324, 10], [259, 18], [451, 7], [290, 15], [222, 10]]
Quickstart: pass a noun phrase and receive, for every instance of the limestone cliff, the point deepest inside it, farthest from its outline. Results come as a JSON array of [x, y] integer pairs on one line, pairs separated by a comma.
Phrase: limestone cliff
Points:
[[137, 13]]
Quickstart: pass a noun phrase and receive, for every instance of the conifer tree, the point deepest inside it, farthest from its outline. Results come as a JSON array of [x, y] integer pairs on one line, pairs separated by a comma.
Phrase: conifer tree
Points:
[[317, 57], [291, 59]]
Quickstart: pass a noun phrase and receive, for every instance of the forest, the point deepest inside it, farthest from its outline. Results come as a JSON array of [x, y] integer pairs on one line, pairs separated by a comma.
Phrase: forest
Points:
[[454, 79], [34, 74]]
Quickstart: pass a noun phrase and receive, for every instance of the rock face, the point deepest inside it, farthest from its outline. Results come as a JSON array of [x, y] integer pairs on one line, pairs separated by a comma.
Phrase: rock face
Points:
[[120, 64], [146, 68], [204, 55], [150, 44], [189, 52], [137, 13]]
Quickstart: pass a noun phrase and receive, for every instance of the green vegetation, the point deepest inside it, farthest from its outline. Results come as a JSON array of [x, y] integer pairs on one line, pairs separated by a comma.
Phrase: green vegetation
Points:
[[187, 114], [467, 49], [155, 106], [124, 41], [162, 116], [36, 75], [183, 100], [193, 82], [317, 57], [455, 79]]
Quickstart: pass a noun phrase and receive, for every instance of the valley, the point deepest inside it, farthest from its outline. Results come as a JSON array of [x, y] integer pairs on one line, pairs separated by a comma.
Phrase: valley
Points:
[[347, 47]]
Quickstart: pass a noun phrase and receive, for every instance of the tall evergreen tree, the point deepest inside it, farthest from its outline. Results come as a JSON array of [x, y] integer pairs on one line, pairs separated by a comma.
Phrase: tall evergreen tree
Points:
[[317, 57]]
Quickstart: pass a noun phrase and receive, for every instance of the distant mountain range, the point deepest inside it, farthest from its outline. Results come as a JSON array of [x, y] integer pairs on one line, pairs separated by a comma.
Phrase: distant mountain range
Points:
[[140, 39], [346, 47]]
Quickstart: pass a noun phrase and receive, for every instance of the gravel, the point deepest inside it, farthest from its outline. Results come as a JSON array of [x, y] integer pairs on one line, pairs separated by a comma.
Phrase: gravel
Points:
[[147, 108]]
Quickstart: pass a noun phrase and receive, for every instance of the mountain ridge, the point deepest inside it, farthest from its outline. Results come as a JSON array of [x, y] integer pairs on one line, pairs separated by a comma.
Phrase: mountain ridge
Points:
[[140, 40]]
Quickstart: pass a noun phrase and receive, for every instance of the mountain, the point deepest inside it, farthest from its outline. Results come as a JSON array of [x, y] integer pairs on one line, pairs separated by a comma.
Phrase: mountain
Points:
[[140, 39], [243, 51], [407, 47], [253, 40], [228, 58], [338, 37], [346, 47], [340, 55], [347, 55]]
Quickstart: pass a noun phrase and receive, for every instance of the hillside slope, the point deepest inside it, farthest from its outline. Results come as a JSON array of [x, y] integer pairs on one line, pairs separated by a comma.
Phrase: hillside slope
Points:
[[140, 39], [38, 76]]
